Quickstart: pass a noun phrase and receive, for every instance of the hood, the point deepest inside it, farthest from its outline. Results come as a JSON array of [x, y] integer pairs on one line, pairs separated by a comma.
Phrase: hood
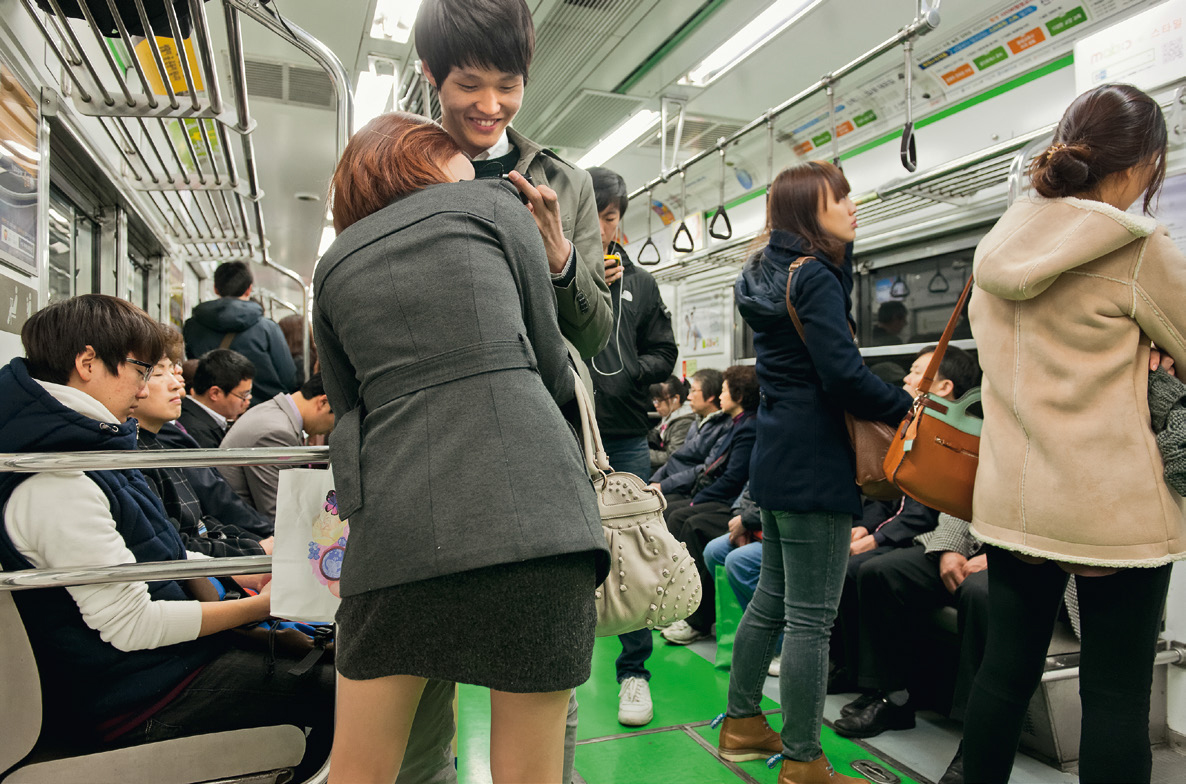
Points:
[[33, 420], [228, 314], [761, 288], [1038, 240]]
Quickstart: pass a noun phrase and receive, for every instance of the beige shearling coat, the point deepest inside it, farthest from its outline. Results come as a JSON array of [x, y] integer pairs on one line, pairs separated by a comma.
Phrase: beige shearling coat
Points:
[[1068, 295]]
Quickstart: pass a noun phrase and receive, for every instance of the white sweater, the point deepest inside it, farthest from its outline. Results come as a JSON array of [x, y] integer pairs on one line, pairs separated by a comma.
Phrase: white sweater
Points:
[[61, 520]]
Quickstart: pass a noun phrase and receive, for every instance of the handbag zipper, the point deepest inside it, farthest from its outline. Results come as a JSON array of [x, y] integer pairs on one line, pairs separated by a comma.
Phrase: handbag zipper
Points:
[[955, 448]]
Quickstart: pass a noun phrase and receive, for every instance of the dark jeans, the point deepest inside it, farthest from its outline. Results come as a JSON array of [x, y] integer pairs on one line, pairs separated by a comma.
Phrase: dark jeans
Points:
[[898, 593], [803, 561], [235, 692], [633, 456], [696, 526], [1119, 617]]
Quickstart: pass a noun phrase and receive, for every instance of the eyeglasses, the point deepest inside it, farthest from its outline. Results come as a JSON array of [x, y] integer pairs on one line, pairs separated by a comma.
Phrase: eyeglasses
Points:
[[148, 368], [245, 396], [657, 400]]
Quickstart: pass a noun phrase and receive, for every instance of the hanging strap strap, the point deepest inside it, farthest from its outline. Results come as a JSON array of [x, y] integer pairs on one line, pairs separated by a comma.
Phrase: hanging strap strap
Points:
[[941, 348], [596, 461], [227, 339]]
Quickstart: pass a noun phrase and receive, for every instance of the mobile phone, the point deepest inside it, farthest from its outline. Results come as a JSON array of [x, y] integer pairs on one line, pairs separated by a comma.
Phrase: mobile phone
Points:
[[522, 195]]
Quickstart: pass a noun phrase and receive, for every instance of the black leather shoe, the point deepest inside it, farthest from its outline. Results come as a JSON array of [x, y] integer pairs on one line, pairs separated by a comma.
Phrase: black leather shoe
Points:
[[877, 718], [860, 703], [955, 771]]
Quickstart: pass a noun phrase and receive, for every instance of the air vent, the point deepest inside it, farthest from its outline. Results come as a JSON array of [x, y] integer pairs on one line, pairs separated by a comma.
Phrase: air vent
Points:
[[597, 5], [296, 84], [588, 118], [700, 133]]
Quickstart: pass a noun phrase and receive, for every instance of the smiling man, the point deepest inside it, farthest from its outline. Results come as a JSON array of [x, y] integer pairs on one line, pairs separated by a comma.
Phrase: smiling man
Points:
[[476, 53]]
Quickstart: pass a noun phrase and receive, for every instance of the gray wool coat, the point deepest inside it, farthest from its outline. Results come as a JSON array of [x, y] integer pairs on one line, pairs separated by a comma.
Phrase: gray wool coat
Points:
[[435, 321]]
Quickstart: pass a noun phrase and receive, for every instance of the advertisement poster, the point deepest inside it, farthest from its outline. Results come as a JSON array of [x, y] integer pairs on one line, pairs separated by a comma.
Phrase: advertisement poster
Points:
[[1144, 50], [1006, 42], [701, 326], [19, 165]]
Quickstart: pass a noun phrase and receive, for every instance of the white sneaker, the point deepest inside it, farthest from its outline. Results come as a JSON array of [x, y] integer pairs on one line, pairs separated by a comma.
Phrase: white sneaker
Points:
[[681, 633], [775, 667], [634, 703]]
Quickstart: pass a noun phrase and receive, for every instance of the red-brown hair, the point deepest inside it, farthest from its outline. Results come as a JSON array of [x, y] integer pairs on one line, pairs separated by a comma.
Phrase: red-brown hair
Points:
[[389, 157], [796, 197]]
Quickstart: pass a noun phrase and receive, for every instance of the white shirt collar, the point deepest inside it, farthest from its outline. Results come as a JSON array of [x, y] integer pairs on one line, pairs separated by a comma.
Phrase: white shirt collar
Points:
[[500, 148], [218, 418]]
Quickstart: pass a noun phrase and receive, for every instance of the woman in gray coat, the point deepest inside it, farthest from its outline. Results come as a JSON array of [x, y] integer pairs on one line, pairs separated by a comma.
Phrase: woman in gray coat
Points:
[[475, 541]]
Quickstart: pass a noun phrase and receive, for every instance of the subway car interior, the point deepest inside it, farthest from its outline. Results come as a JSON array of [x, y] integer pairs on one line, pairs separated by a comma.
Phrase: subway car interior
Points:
[[133, 165]]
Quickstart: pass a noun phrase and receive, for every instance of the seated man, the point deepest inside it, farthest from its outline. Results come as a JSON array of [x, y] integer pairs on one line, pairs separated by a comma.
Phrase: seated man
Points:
[[720, 480], [888, 525], [123, 663], [670, 399], [677, 476], [201, 530], [220, 393], [280, 422]]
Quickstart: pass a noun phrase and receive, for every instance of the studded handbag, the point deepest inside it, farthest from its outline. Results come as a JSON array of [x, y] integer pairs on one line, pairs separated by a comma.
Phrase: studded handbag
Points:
[[652, 579]]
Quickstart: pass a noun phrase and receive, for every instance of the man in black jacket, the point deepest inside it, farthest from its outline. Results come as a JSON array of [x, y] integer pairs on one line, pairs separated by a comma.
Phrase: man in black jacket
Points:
[[220, 393], [641, 351]]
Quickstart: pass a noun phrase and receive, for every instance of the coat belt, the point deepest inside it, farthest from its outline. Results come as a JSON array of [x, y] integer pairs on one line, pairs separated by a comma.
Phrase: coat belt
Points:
[[448, 366]]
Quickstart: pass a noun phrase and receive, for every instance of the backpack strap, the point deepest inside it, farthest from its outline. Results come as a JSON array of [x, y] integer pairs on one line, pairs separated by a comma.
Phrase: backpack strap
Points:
[[227, 339]]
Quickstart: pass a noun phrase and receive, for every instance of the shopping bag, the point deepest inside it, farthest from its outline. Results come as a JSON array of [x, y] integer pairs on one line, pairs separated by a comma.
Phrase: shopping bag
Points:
[[729, 614], [309, 548]]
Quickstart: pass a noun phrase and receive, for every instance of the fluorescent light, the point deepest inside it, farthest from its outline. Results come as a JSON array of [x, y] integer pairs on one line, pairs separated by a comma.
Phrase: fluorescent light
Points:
[[780, 15], [624, 134], [394, 19], [374, 93], [327, 238]]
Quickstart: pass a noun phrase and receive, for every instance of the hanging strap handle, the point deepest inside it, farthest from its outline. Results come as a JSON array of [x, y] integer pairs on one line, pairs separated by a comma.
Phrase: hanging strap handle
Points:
[[712, 226], [928, 378], [650, 243], [683, 230], [909, 151], [596, 461]]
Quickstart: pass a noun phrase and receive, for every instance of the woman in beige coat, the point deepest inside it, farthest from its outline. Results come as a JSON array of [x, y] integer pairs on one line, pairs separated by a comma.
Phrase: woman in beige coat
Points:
[[1070, 291]]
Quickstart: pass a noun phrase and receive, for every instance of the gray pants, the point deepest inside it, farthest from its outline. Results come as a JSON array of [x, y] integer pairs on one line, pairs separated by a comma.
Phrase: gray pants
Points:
[[429, 758]]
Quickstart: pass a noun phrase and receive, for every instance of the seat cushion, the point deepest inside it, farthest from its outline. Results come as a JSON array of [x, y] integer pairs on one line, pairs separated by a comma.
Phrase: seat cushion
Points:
[[217, 755]]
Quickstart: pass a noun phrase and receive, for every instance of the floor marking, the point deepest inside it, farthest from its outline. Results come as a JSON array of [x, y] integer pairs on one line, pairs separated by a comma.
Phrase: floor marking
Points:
[[741, 774]]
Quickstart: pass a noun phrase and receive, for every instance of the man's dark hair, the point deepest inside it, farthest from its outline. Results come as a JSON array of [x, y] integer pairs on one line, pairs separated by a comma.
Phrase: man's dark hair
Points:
[[743, 386], [958, 366], [496, 34], [232, 278], [116, 329], [710, 384], [889, 311], [609, 188], [222, 368], [313, 387]]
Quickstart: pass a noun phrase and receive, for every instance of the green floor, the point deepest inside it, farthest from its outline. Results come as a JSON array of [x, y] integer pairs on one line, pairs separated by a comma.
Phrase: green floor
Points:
[[677, 746]]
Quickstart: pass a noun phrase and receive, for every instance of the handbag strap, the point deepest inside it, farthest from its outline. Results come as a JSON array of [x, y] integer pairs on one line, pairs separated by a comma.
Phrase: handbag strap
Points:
[[596, 461], [941, 347], [794, 314]]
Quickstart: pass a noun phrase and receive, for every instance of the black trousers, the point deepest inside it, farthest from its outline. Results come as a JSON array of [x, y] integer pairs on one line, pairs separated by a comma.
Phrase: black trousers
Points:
[[1119, 618], [696, 526], [845, 644], [898, 592]]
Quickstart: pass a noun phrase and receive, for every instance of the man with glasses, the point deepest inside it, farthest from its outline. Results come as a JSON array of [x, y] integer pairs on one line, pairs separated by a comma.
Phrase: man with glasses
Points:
[[221, 393], [283, 421]]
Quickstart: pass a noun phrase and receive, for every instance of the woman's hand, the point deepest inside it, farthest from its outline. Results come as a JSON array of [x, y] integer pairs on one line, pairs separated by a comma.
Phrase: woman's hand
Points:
[[1159, 359], [544, 205]]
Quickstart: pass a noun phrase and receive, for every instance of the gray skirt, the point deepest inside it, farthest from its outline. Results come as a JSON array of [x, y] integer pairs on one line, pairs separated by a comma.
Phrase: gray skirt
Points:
[[520, 627]]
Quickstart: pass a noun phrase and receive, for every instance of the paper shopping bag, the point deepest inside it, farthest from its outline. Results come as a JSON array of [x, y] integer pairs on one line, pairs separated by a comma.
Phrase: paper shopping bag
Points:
[[309, 548]]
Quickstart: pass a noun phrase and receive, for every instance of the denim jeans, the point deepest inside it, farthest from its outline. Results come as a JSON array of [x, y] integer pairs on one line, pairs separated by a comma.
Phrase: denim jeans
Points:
[[804, 557], [633, 456], [742, 565]]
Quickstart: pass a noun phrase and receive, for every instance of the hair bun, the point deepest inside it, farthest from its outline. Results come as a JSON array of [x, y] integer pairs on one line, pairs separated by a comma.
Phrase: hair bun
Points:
[[1070, 164]]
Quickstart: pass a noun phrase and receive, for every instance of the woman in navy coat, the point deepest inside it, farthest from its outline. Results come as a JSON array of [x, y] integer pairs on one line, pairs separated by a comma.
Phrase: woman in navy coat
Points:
[[803, 471]]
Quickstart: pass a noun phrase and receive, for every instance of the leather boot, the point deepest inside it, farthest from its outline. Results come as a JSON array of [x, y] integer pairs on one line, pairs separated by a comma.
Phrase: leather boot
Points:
[[818, 771], [748, 739]]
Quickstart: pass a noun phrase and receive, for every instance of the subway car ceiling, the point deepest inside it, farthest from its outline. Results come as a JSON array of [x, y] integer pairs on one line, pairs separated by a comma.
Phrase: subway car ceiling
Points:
[[989, 76]]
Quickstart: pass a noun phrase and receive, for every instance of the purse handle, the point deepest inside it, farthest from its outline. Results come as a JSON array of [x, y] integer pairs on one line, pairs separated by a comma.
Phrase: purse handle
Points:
[[596, 461], [928, 377]]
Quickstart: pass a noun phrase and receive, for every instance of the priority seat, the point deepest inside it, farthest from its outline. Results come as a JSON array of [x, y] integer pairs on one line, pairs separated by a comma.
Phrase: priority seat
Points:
[[256, 755]]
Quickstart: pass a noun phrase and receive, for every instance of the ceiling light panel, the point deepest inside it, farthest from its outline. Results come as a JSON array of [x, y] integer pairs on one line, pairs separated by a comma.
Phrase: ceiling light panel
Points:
[[622, 137], [394, 19], [780, 15]]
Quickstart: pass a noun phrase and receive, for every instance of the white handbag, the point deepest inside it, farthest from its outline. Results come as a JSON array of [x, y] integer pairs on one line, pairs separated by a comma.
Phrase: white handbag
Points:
[[309, 546], [652, 579]]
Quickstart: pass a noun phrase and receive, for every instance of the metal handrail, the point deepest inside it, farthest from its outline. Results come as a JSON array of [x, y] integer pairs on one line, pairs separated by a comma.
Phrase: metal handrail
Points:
[[920, 26], [115, 460], [28, 579]]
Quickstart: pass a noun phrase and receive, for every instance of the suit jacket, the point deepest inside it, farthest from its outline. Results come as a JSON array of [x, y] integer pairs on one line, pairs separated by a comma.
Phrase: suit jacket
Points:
[[437, 332], [200, 425], [269, 424]]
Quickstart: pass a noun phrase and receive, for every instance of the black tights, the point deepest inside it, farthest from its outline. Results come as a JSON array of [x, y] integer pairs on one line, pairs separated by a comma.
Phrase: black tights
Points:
[[1120, 617]]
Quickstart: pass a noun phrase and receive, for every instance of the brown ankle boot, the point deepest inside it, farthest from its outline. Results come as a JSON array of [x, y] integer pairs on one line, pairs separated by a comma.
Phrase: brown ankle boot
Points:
[[818, 771], [748, 739]]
